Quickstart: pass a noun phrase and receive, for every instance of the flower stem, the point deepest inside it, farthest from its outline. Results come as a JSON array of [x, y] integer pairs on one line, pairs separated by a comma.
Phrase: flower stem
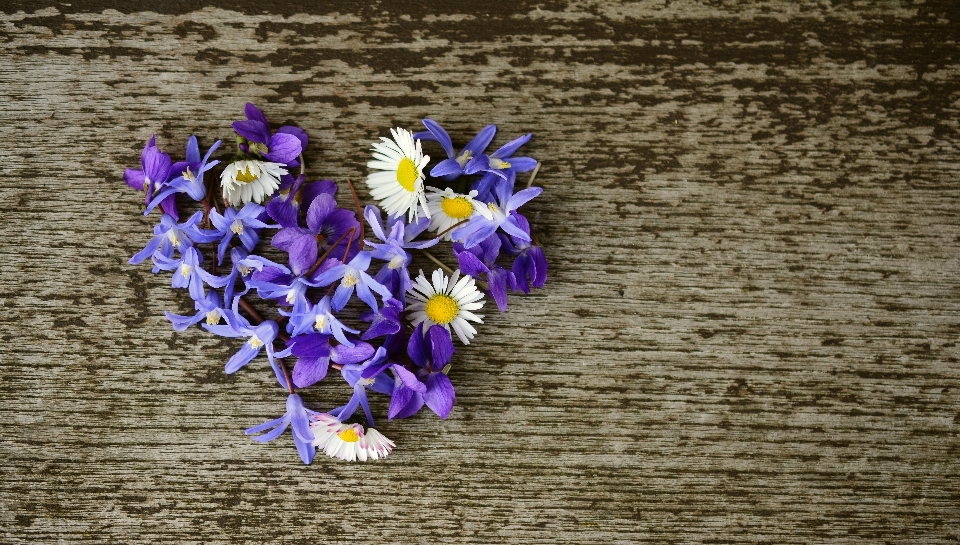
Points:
[[320, 259], [452, 227], [356, 202], [534, 175]]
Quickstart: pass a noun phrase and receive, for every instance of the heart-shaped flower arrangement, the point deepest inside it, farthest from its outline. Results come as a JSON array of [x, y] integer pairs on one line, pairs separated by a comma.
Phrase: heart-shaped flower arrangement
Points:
[[329, 261]]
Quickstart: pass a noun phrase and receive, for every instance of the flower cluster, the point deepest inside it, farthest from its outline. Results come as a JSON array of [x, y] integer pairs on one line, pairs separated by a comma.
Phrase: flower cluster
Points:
[[398, 341]]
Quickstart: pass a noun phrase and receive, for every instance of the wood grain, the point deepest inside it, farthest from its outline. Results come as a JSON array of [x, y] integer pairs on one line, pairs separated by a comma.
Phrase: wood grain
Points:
[[748, 335]]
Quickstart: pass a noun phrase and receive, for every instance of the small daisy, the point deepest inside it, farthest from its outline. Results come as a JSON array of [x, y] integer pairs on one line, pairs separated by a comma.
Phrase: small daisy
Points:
[[399, 187], [250, 180], [348, 441], [448, 303], [448, 209]]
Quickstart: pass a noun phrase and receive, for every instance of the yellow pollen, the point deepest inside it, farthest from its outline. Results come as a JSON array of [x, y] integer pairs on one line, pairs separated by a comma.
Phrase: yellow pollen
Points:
[[174, 238], [498, 164], [185, 270], [396, 262], [350, 279], [213, 317], [441, 309], [349, 436], [189, 175], [245, 176], [255, 342], [407, 174], [457, 208], [237, 227], [320, 323]]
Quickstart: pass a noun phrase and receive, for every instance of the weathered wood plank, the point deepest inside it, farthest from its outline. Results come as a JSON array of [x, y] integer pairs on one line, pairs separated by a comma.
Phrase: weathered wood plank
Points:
[[749, 333]]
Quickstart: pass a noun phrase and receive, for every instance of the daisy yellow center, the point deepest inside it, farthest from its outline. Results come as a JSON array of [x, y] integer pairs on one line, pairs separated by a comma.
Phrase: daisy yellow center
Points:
[[457, 208], [441, 309], [407, 174], [349, 436], [246, 176]]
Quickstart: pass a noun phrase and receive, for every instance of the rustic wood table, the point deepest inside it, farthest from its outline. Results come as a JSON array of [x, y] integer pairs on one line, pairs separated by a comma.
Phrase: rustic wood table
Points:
[[749, 333]]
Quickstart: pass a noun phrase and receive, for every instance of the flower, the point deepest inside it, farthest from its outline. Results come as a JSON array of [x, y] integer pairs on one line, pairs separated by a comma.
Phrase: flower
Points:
[[502, 159], [448, 209], [307, 317], [353, 274], [298, 418], [191, 172], [452, 167], [208, 307], [482, 259], [530, 261], [433, 356], [250, 180], [283, 147], [258, 337], [326, 225], [502, 215], [315, 353], [348, 441], [393, 248], [170, 235], [155, 169], [399, 187], [448, 303], [243, 223]]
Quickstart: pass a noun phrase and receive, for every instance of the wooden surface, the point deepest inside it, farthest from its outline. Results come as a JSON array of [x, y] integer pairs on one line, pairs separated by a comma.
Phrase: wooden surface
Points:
[[749, 333]]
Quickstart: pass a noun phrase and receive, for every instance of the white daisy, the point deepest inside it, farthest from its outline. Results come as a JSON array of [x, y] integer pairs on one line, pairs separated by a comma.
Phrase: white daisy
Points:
[[348, 441], [250, 180], [448, 209], [399, 187], [448, 302]]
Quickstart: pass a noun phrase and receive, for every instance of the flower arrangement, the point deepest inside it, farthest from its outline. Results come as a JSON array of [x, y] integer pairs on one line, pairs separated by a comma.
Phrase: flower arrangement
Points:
[[401, 343]]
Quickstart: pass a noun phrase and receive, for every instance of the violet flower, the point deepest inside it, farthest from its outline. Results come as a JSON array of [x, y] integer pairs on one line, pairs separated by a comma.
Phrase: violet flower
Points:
[[501, 214], [243, 223], [406, 399], [298, 418], [155, 169], [209, 307], [432, 356], [314, 353], [530, 261], [394, 246], [258, 337], [306, 317], [379, 383], [452, 167], [283, 147], [326, 225], [191, 172], [169, 236], [482, 259], [188, 273], [502, 159], [353, 275]]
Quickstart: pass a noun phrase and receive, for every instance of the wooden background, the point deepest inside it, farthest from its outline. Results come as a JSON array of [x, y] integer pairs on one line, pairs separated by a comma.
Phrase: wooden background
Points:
[[749, 333]]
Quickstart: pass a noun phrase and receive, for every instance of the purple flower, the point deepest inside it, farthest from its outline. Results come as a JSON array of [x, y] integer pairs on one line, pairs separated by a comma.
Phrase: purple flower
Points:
[[385, 322], [188, 273], [406, 399], [243, 223], [452, 167], [285, 207], [169, 236], [481, 259], [306, 317], [315, 353], [298, 418], [432, 353], [502, 159], [378, 382], [155, 169], [353, 275], [257, 337], [393, 248], [283, 147], [191, 172], [209, 307], [500, 214], [530, 261], [326, 225]]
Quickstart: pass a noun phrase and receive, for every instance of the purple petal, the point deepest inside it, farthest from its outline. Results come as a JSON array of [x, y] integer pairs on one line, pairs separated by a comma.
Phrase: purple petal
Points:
[[193, 150], [522, 164], [241, 358], [440, 394], [254, 131], [311, 345], [134, 178], [445, 168], [417, 347], [303, 254], [320, 208], [283, 148], [510, 147], [471, 264], [441, 135], [441, 346], [522, 197], [298, 132], [253, 113], [309, 371], [284, 238], [409, 379], [345, 355], [404, 403], [480, 142]]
